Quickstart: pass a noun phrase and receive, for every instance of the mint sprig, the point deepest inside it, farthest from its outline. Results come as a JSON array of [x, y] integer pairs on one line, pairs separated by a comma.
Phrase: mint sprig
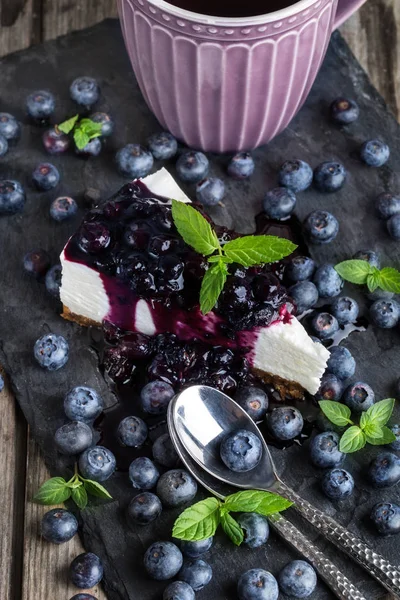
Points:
[[361, 272], [83, 130], [201, 520], [248, 251]]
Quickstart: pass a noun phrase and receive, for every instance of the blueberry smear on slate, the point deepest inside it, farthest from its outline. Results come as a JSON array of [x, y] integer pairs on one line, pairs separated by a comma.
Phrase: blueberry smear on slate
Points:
[[52, 280], [92, 148], [162, 145], [9, 126], [255, 527], [241, 450], [337, 484], [155, 397], [55, 141], [328, 281], [321, 227], [279, 203], [83, 403], [40, 105], [331, 388], [341, 362], [387, 205], [385, 313], [86, 570], [374, 153], [297, 579], [359, 396], [163, 560], [253, 400], [329, 176], [45, 177], [324, 325], [97, 463], [37, 262], [384, 470], [196, 572], [144, 509], [58, 526], [192, 166], [51, 351], [85, 91], [106, 122], [370, 256], [210, 191], [300, 268], [134, 161], [73, 438], [324, 450], [386, 518], [257, 584], [176, 487], [132, 431], [143, 473], [196, 548], [3, 146], [396, 430], [393, 226], [164, 451], [63, 208], [345, 310], [296, 175], [178, 590], [241, 166], [285, 422], [344, 111], [12, 197], [304, 294]]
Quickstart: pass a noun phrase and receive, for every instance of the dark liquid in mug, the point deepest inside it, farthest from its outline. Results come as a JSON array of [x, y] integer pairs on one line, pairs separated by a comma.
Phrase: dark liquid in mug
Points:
[[232, 8]]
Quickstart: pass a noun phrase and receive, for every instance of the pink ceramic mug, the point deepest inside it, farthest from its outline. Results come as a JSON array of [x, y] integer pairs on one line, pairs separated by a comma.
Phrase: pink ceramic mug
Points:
[[227, 84]]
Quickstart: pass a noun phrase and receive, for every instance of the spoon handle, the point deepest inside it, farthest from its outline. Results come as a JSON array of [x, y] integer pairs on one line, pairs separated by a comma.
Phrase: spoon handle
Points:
[[329, 572], [376, 565]]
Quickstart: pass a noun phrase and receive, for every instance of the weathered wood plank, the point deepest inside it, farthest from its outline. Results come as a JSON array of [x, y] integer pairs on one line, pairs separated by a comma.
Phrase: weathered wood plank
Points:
[[19, 24], [63, 16]]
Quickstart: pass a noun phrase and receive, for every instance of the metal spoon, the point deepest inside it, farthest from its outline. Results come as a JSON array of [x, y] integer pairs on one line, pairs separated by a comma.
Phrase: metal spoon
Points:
[[203, 416], [327, 570]]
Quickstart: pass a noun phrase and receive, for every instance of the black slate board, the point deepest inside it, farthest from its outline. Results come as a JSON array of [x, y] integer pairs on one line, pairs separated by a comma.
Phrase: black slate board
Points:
[[27, 311]]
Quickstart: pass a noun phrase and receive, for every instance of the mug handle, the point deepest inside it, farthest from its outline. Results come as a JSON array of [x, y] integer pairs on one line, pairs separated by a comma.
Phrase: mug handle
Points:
[[345, 9]]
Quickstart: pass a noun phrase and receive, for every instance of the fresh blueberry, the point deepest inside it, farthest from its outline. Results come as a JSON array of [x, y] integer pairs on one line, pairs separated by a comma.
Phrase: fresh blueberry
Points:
[[40, 105], [97, 463], [3, 146], [92, 148], [58, 526], [106, 122], [155, 397], [52, 280], [256, 529], [329, 176], [257, 584], [196, 548], [176, 487], [63, 208], [359, 396], [144, 508], [324, 424], [374, 153], [324, 450], [1, 383], [134, 161], [385, 313], [393, 227], [379, 294], [279, 203], [143, 473], [300, 268], [132, 431], [337, 484], [37, 262], [370, 256], [345, 310], [296, 175], [241, 450], [55, 141], [164, 451], [386, 518], [12, 197], [192, 166], [324, 325], [178, 590], [241, 166], [253, 400], [331, 388], [395, 429], [344, 111], [210, 191], [197, 573], [51, 351], [86, 570], [46, 176], [297, 579], [163, 560], [304, 295], [321, 227], [384, 470], [341, 362], [94, 237], [9, 126], [83, 403], [285, 422], [83, 597], [387, 205], [73, 438], [85, 91], [328, 281], [162, 145]]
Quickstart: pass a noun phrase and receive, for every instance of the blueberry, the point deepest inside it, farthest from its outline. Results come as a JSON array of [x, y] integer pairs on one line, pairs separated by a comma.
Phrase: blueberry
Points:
[[46, 177], [359, 396], [341, 362], [155, 397], [395, 429], [162, 145], [92, 148], [93, 237], [257, 584], [196, 548], [337, 484], [37, 262], [58, 526], [9, 126], [40, 105], [197, 573], [304, 295], [134, 161], [3, 146], [386, 518], [73, 438], [241, 450], [210, 191], [387, 205], [178, 590], [241, 166], [106, 122], [384, 470], [85, 91], [63, 208], [256, 529], [132, 431], [385, 313], [324, 325], [51, 351], [279, 203], [296, 175], [1, 383], [331, 388], [374, 153], [176, 487], [12, 197], [192, 166], [329, 176], [321, 227], [300, 268], [324, 424], [97, 463], [143, 473], [297, 579], [164, 451], [83, 597], [83, 403], [379, 295], [52, 280], [55, 141], [370, 256], [285, 422], [144, 508], [328, 281], [393, 226], [162, 560], [344, 111], [253, 400], [86, 570], [345, 310], [324, 450]]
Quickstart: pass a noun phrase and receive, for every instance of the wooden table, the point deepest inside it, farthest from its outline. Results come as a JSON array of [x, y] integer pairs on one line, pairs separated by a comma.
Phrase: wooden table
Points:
[[32, 569]]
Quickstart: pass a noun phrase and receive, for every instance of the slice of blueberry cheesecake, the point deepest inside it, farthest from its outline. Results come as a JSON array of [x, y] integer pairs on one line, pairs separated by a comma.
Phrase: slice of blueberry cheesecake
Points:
[[128, 269]]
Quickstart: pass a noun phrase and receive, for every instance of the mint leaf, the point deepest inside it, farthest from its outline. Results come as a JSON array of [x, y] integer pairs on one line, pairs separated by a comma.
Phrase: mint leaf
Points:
[[80, 139], [373, 431], [195, 230], [355, 271], [79, 496], [380, 412], [68, 125], [53, 491], [352, 440], [364, 420], [389, 280], [91, 128], [212, 285], [337, 413], [199, 521], [373, 279], [263, 503], [387, 436], [232, 529], [258, 249], [218, 258], [95, 489]]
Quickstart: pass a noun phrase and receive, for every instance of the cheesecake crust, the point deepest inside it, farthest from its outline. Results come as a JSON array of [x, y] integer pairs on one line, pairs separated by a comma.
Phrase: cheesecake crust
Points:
[[286, 389], [82, 321]]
